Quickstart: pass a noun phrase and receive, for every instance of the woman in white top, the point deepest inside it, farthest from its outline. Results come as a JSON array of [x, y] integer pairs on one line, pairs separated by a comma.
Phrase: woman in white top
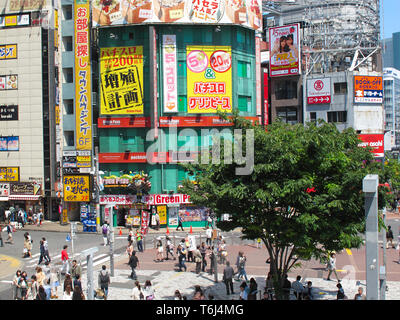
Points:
[[148, 291], [137, 293], [67, 295], [160, 250], [33, 288]]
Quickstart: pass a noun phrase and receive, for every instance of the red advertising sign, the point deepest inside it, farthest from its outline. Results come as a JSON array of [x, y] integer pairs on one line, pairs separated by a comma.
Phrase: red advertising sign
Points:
[[198, 121], [375, 141], [265, 96], [319, 91], [151, 199], [127, 122]]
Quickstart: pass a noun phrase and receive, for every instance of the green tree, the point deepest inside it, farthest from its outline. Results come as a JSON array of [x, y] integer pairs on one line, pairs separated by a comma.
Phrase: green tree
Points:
[[303, 198]]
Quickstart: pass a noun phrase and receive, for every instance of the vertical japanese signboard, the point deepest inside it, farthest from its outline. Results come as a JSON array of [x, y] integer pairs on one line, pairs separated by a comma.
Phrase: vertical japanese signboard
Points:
[[284, 48], [209, 79], [76, 188], [83, 106], [258, 76], [121, 79], [170, 73]]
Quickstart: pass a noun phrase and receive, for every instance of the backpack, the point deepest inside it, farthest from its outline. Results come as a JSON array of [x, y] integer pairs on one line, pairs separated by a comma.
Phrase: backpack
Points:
[[104, 278], [242, 261], [104, 230], [133, 261]]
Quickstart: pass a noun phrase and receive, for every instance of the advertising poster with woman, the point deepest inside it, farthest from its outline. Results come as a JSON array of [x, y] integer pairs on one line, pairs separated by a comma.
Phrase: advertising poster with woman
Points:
[[284, 47]]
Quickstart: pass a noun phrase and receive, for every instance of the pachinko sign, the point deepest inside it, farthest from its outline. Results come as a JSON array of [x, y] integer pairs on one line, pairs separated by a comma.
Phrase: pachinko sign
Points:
[[83, 106], [170, 73], [121, 80], [209, 79], [117, 12], [284, 48], [375, 141]]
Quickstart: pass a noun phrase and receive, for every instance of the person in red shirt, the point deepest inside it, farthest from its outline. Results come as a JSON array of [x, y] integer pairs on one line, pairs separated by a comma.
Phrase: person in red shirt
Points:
[[64, 260]]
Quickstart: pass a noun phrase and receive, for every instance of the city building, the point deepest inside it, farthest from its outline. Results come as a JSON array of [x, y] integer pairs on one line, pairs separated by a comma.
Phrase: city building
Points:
[[27, 99], [391, 51], [391, 81]]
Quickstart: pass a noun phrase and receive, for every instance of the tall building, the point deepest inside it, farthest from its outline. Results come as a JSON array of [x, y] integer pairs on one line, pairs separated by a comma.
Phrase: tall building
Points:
[[391, 51], [27, 98], [391, 80]]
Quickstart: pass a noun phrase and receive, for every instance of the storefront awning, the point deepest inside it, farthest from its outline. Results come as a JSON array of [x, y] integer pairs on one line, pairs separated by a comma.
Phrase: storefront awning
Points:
[[23, 197], [3, 198]]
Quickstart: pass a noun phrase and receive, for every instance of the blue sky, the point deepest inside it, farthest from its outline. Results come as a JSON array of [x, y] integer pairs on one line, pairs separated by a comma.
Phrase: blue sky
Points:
[[391, 24]]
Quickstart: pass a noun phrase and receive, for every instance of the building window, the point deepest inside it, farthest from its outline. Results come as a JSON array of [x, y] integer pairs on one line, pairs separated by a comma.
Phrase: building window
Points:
[[67, 11], [340, 87], [287, 114], [67, 41], [313, 116], [337, 116], [285, 89], [243, 69], [244, 103], [69, 106], [69, 138], [68, 75]]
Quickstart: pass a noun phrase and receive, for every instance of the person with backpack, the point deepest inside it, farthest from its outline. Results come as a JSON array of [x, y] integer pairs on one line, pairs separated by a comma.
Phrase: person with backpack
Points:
[[133, 263], [104, 231], [104, 280]]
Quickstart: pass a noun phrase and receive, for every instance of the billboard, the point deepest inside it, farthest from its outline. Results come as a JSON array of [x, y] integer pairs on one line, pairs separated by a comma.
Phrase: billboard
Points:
[[76, 188], [83, 105], [209, 79], [375, 141], [319, 91], [121, 80], [368, 89], [116, 12], [9, 174], [26, 5], [8, 51], [284, 48], [170, 73]]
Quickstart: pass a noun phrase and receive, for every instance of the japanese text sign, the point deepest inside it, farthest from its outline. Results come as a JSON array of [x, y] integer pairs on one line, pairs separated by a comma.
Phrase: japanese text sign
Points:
[[83, 107], [8, 51], [170, 73], [9, 174], [121, 73], [368, 89], [76, 188], [209, 79]]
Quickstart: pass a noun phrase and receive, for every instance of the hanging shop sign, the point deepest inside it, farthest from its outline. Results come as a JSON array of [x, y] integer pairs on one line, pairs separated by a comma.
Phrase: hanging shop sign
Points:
[[170, 73], [83, 105], [209, 79], [76, 188], [25, 188], [9, 174], [368, 89], [284, 48], [121, 80], [319, 91]]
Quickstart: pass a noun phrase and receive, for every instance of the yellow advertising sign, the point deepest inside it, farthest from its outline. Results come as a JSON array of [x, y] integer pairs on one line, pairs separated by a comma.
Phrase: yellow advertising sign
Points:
[[10, 21], [8, 51], [9, 174], [76, 188], [162, 212], [83, 105], [209, 79], [121, 79]]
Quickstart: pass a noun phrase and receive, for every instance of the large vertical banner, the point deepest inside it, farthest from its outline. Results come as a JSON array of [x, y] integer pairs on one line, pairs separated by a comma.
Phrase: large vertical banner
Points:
[[121, 80], [83, 105], [170, 73], [209, 79], [258, 76], [284, 48]]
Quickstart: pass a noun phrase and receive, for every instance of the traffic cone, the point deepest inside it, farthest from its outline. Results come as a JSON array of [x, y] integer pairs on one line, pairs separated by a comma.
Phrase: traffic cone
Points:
[[120, 231], [191, 231], [167, 231]]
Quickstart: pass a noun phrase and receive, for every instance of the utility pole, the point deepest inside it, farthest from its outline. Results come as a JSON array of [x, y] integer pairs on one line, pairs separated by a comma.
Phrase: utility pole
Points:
[[88, 254], [382, 270], [215, 250]]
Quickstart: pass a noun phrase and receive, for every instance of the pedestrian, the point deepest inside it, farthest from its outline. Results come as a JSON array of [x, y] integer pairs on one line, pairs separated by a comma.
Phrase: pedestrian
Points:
[[253, 289], [64, 260], [197, 259], [208, 237], [137, 293], [223, 253], [68, 281], [104, 231], [398, 247], [41, 295], [130, 235], [139, 239], [308, 293], [360, 295], [227, 278], [42, 252], [67, 295], [269, 283], [27, 246], [78, 294], [203, 251], [169, 248], [340, 293], [209, 220], [40, 276], [389, 237], [104, 280], [189, 249], [244, 291], [181, 252], [213, 261], [33, 288], [157, 217], [76, 281], [177, 295], [160, 250], [129, 249], [47, 289], [148, 291], [259, 245], [332, 266], [76, 270], [54, 280], [179, 223], [287, 285], [40, 217], [22, 287], [133, 263], [46, 249], [298, 288], [10, 230], [15, 283], [241, 264]]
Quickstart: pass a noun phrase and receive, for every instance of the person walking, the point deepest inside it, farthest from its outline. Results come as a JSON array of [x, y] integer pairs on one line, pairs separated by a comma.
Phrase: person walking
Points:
[[332, 267], [133, 263], [33, 288], [148, 291], [389, 237], [42, 252], [223, 253], [241, 264], [27, 245], [64, 260], [10, 231], [15, 283], [208, 237], [160, 250], [244, 291], [22, 287], [40, 276], [181, 251], [104, 231], [360, 295], [76, 281], [203, 251], [287, 285], [104, 280], [213, 261], [46, 249], [67, 281], [78, 294], [137, 293], [139, 239], [129, 249], [169, 248], [76, 270], [197, 259], [67, 294], [180, 225], [54, 280], [40, 217], [228, 277]]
